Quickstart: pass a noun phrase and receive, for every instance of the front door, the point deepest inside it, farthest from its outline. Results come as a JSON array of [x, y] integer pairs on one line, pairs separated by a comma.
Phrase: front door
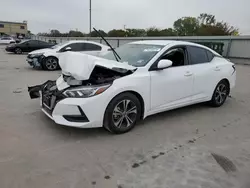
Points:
[[172, 86]]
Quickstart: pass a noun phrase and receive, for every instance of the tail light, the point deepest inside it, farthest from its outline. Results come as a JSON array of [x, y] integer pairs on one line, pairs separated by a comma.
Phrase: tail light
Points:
[[234, 69]]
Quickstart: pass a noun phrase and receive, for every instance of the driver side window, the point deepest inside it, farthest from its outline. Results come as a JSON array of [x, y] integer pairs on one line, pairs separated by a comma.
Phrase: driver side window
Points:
[[176, 55]]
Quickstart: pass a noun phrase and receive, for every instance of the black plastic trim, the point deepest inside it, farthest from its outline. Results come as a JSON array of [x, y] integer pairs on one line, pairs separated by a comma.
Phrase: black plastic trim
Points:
[[77, 118]]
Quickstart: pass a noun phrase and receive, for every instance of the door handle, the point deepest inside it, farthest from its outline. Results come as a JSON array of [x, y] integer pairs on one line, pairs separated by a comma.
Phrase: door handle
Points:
[[188, 74], [217, 69]]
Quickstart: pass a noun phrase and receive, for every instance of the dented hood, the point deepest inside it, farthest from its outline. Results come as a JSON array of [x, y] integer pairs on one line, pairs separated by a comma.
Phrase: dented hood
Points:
[[80, 66]]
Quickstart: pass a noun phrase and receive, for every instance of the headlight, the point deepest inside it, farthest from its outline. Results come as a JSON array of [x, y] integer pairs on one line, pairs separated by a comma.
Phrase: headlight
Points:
[[85, 92], [36, 55]]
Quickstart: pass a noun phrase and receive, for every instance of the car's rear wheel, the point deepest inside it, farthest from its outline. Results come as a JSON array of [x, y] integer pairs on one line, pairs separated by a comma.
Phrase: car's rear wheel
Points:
[[50, 63], [18, 51], [122, 113], [220, 94]]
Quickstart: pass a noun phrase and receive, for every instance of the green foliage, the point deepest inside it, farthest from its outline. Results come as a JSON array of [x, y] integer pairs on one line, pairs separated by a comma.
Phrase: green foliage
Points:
[[136, 33], [204, 25], [186, 26], [94, 34], [117, 33]]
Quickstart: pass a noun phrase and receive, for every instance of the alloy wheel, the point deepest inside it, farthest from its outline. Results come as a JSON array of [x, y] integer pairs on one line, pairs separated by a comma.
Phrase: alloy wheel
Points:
[[124, 114], [221, 93], [51, 64], [18, 51]]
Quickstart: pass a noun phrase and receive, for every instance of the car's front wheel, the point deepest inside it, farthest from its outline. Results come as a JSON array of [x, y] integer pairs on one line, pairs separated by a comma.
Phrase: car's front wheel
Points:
[[220, 94], [50, 63], [18, 51], [122, 113]]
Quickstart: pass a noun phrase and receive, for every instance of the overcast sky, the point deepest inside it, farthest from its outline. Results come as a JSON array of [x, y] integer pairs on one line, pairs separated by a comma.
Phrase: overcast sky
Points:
[[43, 15]]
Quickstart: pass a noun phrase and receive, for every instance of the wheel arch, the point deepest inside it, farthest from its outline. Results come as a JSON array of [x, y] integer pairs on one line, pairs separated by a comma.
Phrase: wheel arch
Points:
[[227, 81], [52, 57], [140, 98]]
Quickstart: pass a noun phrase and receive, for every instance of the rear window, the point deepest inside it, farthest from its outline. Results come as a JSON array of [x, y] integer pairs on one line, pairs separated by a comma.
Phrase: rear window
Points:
[[197, 55], [92, 47]]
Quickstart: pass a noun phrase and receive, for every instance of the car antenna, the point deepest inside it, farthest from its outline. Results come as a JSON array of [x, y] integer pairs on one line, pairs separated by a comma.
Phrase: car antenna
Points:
[[117, 57]]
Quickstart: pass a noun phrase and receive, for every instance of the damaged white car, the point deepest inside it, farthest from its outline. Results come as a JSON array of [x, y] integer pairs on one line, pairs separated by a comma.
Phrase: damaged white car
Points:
[[139, 79]]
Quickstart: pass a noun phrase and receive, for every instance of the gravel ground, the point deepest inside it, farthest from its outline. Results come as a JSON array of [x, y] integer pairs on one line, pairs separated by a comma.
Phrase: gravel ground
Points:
[[171, 149]]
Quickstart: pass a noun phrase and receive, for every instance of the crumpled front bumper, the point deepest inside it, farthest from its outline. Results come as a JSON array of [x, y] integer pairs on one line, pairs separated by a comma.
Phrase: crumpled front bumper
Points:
[[71, 112], [35, 62]]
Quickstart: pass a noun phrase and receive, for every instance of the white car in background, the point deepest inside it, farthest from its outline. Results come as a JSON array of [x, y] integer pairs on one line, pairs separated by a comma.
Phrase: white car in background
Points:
[[145, 78], [47, 58], [7, 40]]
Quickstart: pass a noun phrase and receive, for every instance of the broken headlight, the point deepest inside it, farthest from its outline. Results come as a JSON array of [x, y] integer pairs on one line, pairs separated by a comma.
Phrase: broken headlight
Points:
[[36, 55], [85, 92]]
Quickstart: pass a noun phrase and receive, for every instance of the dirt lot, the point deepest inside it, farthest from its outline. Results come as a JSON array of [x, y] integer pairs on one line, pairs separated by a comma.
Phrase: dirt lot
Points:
[[172, 149]]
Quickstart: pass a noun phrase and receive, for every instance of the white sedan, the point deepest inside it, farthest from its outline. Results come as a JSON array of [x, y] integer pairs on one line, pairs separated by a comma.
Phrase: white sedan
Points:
[[7, 40], [47, 58], [148, 78]]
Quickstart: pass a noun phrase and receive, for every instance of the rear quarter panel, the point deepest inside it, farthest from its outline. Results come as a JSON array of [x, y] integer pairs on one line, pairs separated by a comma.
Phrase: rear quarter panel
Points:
[[226, 71]]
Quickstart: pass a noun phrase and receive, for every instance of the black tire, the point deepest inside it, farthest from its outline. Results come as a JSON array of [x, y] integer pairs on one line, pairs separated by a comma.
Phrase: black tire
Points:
[[115, 112], [18, 51], [50, 63], [220, 94]]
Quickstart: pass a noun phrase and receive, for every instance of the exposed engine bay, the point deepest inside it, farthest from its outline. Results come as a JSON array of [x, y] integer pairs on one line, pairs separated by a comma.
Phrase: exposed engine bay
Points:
[[100, 75]]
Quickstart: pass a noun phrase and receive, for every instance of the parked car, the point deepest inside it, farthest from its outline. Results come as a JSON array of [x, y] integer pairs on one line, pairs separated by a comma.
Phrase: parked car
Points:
[[27, 46], [144, 78], [7, 40], [47, 59]]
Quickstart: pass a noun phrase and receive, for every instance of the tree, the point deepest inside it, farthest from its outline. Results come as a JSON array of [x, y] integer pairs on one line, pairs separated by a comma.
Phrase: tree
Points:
[[186, 26], [55, 33], [75, 34], [168, 32], [206, 19], [153, 32], [95, 34], [210, 27], [117, 33], [135, 32]]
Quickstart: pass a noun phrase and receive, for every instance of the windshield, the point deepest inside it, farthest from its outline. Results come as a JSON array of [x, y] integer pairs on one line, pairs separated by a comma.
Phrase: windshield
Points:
[[137, 55], [59, 45]]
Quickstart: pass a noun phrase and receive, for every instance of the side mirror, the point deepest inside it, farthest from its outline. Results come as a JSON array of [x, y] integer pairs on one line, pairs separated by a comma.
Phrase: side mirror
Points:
[[163, 64], [67, 49]]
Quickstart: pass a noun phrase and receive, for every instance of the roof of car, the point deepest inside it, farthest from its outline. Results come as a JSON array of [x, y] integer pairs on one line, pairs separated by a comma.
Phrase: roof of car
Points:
[[172, 42], [86, 41], [164, 42]]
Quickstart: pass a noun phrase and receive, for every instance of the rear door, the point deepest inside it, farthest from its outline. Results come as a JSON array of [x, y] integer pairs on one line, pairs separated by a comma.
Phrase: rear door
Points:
[[30, 46], [206, 72]]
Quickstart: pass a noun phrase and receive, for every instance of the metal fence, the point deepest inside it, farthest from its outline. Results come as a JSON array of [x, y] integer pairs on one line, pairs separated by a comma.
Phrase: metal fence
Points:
[[234, 46]]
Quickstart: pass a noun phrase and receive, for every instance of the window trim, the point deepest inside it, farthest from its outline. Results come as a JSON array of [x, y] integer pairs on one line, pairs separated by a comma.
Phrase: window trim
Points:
[[153, 67], [68, 45], [188, 46], [211, 53]]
